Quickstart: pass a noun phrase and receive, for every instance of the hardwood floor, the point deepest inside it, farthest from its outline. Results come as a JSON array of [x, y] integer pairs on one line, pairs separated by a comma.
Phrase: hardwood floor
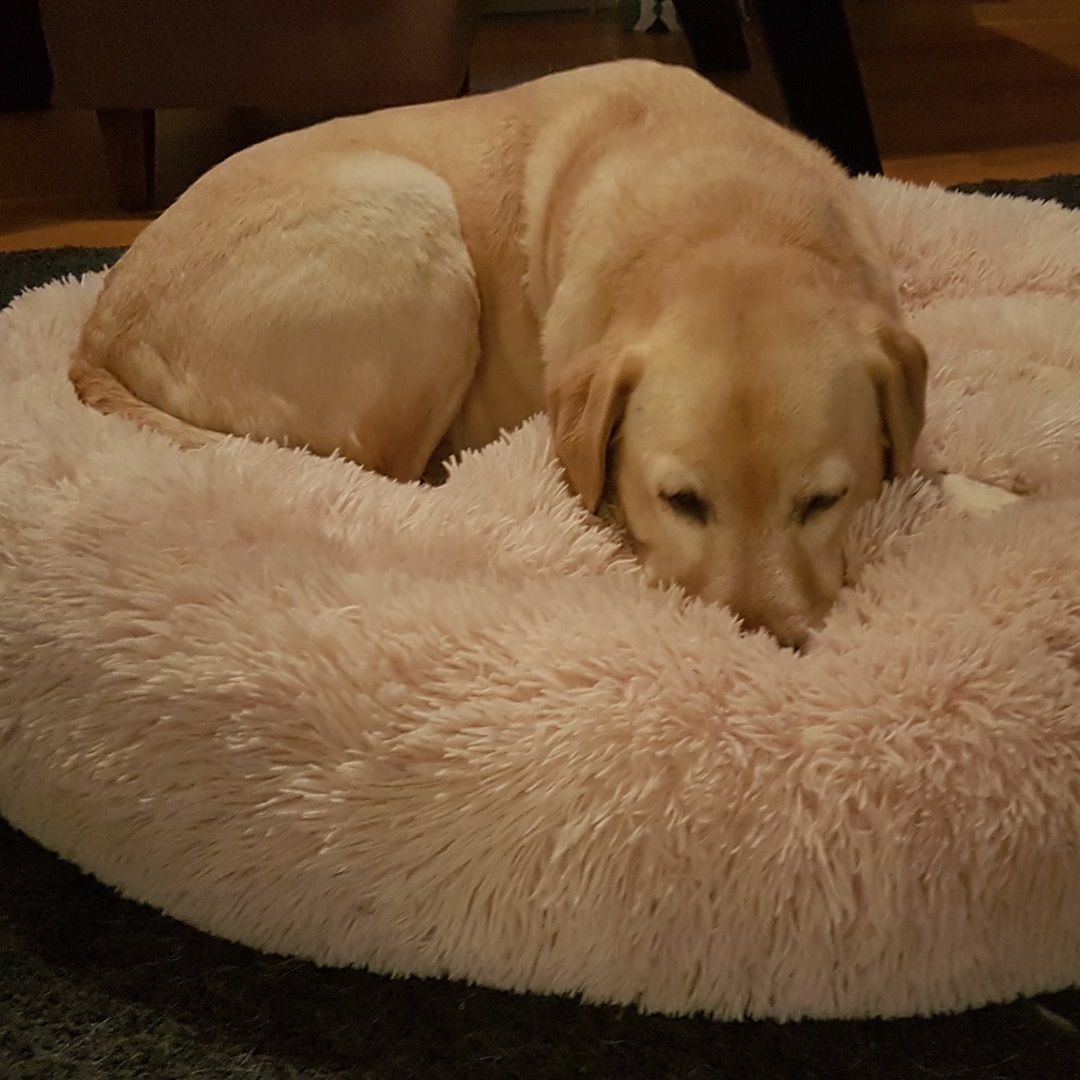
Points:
[[949, 75], [960, 90]]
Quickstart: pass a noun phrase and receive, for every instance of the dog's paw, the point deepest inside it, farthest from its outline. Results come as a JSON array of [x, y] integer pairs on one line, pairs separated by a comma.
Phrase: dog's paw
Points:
[[972, 498]]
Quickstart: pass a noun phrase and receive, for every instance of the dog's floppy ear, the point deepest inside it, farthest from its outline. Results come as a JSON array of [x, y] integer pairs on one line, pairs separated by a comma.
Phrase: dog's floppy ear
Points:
[[899, 376], [586, 402]]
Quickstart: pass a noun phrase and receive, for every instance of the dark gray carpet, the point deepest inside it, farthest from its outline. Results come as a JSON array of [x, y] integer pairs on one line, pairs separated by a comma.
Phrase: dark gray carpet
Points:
[[93, 986], [1062, 188], [21, 270]]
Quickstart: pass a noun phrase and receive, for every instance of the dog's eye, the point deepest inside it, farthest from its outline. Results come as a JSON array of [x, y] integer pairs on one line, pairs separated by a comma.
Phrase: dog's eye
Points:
[[817, 504], [687, 504]]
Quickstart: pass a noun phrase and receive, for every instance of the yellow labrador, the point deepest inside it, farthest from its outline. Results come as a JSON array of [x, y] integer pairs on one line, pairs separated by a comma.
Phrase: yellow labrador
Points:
[[694, 294]]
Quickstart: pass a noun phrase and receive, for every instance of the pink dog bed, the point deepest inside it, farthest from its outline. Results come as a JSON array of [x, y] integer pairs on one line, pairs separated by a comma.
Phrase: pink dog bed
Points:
[[450, 731]]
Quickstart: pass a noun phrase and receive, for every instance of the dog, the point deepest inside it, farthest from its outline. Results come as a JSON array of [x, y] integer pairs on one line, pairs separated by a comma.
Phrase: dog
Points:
[[694, 294]]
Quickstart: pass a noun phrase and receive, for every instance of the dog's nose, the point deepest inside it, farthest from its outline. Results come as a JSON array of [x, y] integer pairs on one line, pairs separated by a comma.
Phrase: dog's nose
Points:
[[791, 637]]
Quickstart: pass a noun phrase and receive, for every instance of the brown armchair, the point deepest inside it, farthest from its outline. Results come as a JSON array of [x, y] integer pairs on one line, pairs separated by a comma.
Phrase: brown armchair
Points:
[[126, 58]]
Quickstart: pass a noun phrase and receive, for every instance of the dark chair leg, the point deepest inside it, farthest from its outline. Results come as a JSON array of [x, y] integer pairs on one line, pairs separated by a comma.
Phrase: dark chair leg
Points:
[[128, 135], [25, 74], [714, 31], [810, 46]]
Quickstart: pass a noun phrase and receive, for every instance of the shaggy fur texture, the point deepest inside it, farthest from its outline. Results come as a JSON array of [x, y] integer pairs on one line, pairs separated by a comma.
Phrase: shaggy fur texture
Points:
[[451, 731]]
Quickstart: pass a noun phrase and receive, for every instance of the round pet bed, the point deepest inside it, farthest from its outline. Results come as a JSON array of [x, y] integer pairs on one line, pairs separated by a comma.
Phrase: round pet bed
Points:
[[451, 731]]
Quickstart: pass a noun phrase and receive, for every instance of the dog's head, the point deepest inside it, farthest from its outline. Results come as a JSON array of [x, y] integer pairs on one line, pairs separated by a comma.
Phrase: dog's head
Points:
[[735, 431]]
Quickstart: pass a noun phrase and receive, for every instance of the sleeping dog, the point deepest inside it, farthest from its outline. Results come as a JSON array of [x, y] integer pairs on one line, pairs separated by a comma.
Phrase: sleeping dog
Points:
[[693, 293]]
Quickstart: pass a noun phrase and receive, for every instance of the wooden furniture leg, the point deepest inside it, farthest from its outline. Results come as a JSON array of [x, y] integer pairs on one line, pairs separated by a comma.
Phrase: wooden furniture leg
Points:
[[128, 135], [25, 74], [714, 31], [810, 46]]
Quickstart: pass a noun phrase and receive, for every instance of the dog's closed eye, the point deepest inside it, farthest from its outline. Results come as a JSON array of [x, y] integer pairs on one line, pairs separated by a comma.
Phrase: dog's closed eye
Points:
[[806, 509], [688, 504]]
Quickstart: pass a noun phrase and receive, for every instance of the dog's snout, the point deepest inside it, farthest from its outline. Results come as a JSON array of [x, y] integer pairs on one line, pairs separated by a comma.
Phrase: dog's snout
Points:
[[789, 635], [793, 639]]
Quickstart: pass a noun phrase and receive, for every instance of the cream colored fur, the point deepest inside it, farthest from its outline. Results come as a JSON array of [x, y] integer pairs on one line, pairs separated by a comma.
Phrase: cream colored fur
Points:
[[609, 243]]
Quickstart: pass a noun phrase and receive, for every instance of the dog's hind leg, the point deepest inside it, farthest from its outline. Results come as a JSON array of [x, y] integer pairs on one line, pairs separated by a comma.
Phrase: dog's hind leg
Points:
[[334, 306]]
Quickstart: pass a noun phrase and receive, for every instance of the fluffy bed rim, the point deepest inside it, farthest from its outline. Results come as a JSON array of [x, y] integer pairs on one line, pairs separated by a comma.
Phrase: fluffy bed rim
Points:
[[451, 732]]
